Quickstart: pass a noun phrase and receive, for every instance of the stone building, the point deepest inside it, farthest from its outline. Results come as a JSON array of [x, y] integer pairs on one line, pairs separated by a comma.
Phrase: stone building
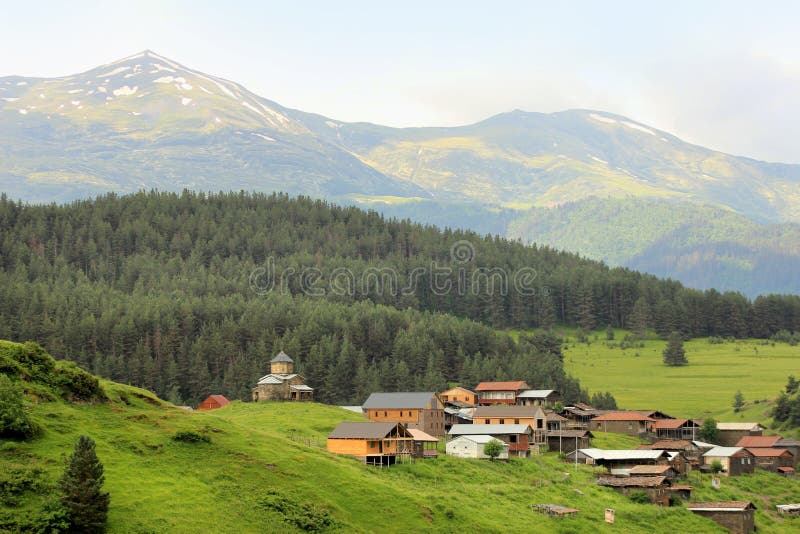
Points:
[[282, 384]]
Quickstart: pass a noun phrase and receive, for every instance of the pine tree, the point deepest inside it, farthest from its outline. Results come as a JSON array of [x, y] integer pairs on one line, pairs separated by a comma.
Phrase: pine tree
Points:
[[640, 316], [81, 489], [738, 401], [674, 354]]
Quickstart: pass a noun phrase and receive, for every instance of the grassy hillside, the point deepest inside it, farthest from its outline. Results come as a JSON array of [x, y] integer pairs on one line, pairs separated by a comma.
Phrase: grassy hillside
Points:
[[267, 470], [703, 388]]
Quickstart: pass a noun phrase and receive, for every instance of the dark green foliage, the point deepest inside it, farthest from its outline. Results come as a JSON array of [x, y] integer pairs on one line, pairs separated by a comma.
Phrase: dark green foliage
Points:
[[716, 466], [14, 419], [792, 385], [709, 431], [304, 516], [787, 406], [190, 437], [153, 289], [493, 449], [77, 384], [603, 401], [610, 333], [639, 497], [738, 401], [81, 489], [674, 353]]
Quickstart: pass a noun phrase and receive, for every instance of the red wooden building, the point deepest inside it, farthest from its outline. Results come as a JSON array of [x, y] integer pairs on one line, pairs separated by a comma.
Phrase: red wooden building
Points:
[[213, 402]]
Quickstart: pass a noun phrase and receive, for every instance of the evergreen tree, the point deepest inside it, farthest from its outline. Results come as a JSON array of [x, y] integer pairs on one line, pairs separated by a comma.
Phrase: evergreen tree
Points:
[[674, 353], [709, 431], [81, 489], [640, 317], [738, 401], [792, 385]]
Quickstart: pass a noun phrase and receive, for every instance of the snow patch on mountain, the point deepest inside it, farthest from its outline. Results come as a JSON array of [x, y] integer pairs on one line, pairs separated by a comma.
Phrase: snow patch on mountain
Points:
[[113, 72], [600, 118], [264, 137], [186, 101], [126, 91], [638, 127]]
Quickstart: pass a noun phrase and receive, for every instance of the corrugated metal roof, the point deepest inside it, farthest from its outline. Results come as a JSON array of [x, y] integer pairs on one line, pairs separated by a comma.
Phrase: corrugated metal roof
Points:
[[399, 400], [494, 430], [623, 416], [301, 387], [723, 452], [649, 469], [739, 426], [714, 506], [270, 380], [623, 454], [569, 434], [501, 386], [627, 482], [536, 393], [281, 357], [357, 430]]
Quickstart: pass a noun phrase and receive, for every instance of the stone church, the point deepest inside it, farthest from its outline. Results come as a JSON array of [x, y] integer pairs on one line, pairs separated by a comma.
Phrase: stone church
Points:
[[282, 384]]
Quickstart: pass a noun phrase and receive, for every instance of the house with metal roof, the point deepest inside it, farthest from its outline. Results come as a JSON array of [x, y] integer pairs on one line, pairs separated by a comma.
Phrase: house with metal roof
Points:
[[472, 446], [413, 409], [619, 458], [729, 434], [734, 460], [518, 437], [538, 397], [375, 443], [737, 516], [282, 383]]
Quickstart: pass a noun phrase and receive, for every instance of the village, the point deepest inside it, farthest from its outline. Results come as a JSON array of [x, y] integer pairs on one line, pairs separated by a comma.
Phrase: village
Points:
[[499, 420]]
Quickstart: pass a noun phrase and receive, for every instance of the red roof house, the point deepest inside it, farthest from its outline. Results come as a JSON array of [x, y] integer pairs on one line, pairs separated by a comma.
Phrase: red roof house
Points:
[[500, 392], [213, 402], [758, 441]]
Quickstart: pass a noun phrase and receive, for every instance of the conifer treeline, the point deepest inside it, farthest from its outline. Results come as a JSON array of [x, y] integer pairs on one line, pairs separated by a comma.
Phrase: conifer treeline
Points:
[[155, 289]]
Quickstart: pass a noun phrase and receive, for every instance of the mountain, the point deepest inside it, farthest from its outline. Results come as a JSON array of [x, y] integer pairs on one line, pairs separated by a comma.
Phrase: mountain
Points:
[[148, 122]]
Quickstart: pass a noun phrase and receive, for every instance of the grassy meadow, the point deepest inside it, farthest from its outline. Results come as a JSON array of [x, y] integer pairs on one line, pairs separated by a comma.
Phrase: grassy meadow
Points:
[[266, 470], [638, 378]]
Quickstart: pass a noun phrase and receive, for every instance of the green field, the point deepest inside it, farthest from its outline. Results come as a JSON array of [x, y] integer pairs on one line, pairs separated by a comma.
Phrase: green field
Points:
[[638, 378]]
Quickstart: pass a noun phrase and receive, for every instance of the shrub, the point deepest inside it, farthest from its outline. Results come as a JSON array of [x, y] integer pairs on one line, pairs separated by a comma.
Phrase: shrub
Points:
[[190, 437], [14, 420], [716, 466], [306, 517], [639, 497], [77, 384]]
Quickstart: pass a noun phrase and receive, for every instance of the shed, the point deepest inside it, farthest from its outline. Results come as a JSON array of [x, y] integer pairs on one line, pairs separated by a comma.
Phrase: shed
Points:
[[424, 444], [622, 458], [471, 446], [656, 487], [213, 402], [736, 516], [771, 458], [566, 440]]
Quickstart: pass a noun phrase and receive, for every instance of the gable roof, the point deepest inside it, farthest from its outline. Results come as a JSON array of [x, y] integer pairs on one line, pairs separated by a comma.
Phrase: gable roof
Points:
[[721, 506], [221, 400], [649, 469], [399, 400], [739, 426], [501, 386], [481, 439], [566, 434], [553, 416], [493, 430], [724, 452], [768, 452], [508, 411], [366, 430], [758, 441], [672, 424], [461, 388], [622, 416], [281, 357], [627, 482]]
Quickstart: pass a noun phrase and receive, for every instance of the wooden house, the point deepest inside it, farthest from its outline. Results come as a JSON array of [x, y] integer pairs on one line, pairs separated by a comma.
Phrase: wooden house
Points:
[[771, 458], [422, 410], [460, 397], [375, 443], [425, 445], [735, 460], [472, 446], [736, 516], [654, 471], [792, 445], [518, 437], [630, 423], [568, 440], [656, 487], [579, 415], [676, 429], [538, 397], [282, 383], [501, 414], [213, 402], [457, 416], [758, 441], [730, 433], [554, 421], [500, 392]]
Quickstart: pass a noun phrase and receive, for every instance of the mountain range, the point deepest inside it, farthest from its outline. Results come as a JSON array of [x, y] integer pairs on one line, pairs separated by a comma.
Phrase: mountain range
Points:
[[588, 181]]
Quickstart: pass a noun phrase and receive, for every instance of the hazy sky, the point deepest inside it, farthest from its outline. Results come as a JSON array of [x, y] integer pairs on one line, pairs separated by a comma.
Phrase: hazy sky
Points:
[[725, 75]]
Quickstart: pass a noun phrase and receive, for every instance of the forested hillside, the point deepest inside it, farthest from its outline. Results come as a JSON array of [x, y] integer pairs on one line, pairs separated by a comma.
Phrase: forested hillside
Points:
[[163, 291]]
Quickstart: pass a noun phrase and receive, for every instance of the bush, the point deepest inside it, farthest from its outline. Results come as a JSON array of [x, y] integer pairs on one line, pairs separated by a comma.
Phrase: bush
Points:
[[14, 420], [77, 384], [716, 466], [306, 517], [190, 437], [639, 497]]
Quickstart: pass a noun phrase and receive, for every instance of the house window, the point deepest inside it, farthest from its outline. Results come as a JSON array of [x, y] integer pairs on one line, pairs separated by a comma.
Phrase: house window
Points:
[[539, 423], [502, 421], [512, 439], [516, 421], [385, 414]]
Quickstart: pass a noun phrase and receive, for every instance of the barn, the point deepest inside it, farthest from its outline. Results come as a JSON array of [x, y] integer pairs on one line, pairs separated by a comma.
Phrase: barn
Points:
[[214, 402]]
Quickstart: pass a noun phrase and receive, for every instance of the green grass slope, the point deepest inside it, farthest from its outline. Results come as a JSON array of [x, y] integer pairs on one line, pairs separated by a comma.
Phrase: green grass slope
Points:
[[266, 470], [638, 378]]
